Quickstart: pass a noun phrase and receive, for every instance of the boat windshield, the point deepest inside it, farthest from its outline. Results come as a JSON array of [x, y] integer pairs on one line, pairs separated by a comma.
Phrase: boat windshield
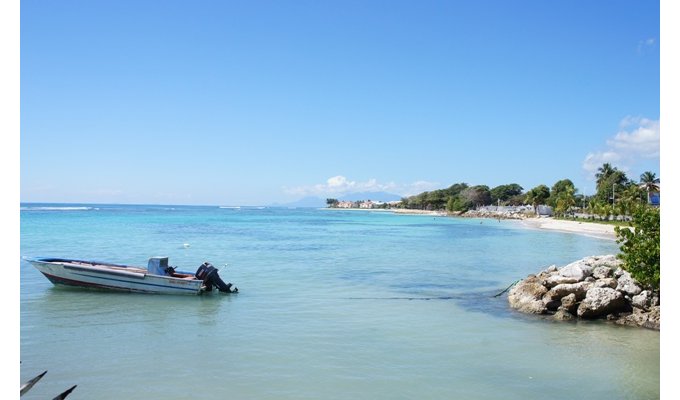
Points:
[[158, 265]]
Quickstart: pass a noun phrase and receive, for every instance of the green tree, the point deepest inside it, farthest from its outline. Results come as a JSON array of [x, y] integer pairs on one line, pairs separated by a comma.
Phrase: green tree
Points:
[[435, 200], [598, 208], [458, 204], [332, 202], [565, 200], [610, 180], [561, 190], [603, 173], [450, 205], [650, 183], [641, 246], [538, 196], [418, 201], [505, 192], [478, 195], [629, 199], [456, 188], [516, 200]]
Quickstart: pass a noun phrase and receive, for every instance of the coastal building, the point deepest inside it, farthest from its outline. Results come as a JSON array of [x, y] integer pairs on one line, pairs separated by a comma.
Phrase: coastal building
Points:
[[363, 204], [366, 204]]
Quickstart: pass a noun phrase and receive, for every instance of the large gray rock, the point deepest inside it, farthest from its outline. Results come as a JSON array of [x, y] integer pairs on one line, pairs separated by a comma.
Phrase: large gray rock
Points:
[[556, 279], [563, 315], [578, 270], [578, 289], [600, 302], [606, 282], [551, 269], [610, 261], [628, 285], [654, 318], [640, 318], [527, 296], [602, 272], [569, 304], [645, 300], [655, 300]]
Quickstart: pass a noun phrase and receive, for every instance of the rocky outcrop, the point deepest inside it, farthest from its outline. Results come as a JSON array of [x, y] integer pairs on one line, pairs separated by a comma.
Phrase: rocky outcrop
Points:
[[590, 288], [528, 296]]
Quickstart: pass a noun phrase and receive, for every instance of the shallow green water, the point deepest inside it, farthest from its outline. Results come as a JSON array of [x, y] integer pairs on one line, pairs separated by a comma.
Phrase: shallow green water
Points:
[[332, 305]]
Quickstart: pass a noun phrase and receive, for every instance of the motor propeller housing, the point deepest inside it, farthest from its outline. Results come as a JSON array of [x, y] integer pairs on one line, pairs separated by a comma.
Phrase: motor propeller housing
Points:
[[210, 277]]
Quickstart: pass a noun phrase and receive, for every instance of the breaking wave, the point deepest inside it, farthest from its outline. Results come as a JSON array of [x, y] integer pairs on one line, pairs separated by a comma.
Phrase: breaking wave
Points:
[[57, 208]]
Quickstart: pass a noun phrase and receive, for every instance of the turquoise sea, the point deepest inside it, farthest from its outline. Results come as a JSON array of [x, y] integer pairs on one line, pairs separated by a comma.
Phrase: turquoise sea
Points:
[[332, 305]]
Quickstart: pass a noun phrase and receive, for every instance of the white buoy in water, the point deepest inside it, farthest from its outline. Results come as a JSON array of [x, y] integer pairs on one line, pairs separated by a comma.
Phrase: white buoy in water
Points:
[[186, 245]]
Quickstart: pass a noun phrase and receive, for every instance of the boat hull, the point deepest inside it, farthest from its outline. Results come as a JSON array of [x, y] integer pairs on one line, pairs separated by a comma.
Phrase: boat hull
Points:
[[113, 277]]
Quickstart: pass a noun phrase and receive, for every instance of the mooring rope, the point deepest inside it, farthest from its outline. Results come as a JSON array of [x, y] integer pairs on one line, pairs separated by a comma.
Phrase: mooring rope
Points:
[[507, 288]]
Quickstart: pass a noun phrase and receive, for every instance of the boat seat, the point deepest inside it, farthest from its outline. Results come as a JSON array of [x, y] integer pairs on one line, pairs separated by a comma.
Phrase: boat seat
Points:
[[182, 276]]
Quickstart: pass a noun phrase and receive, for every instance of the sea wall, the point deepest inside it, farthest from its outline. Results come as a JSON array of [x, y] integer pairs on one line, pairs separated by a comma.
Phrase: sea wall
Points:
[[497, 214], [594, 287]]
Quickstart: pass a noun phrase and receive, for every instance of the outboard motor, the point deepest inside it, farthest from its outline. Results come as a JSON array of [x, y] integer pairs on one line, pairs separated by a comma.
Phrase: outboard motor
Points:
[[208, 274]]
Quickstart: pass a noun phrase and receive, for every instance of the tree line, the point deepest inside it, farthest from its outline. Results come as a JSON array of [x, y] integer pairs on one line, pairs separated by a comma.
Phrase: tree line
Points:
[[616, 194]]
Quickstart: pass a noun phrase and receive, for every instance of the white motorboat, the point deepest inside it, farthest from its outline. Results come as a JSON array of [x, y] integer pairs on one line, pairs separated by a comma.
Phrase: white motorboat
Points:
[[158, 277]]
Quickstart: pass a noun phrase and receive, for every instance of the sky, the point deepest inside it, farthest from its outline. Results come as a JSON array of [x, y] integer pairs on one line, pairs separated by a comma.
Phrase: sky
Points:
[[262, 102]]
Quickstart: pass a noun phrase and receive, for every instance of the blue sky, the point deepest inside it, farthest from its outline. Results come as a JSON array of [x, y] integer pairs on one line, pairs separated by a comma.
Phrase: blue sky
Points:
[[258, 102]]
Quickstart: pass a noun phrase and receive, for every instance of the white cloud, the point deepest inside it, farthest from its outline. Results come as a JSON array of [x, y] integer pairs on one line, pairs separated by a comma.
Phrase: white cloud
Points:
[[645, 44], [638, 138], [340, 185], [642, 141], [594, 161]]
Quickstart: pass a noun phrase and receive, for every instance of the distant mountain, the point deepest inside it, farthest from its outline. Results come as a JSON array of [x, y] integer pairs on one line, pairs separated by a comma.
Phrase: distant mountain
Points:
[[318, 202], [373, 196]]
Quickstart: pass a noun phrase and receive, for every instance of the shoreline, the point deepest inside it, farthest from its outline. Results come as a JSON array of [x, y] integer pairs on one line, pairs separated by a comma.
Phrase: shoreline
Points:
[[600, 231]]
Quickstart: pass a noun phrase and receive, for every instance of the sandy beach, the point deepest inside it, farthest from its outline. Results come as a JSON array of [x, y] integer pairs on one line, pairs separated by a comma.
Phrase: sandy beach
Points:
[[602, 231]]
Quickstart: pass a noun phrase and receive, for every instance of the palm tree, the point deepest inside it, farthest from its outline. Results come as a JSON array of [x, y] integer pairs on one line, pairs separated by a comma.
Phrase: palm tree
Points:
[[629, 200], [609, 180], [565, 200], [650, 183], [604, 172]]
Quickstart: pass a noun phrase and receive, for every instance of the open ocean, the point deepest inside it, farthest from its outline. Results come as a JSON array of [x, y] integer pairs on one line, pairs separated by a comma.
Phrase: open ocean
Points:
[[332, 305]]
